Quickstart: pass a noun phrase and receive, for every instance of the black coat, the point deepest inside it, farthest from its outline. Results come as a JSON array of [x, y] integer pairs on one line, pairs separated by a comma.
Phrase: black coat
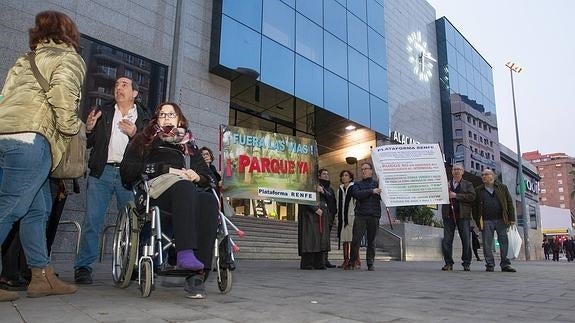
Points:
[[313, 230], [310, 239], [157, 160], [99, 138], [330, 200]]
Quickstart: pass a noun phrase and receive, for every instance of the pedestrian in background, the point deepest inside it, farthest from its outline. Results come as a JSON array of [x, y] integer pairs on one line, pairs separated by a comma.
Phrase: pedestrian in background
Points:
[[556, 248], [208, 157], [475, 244], [546, 245], [457, 214], [494, 212], [568, 245], [35, 129]]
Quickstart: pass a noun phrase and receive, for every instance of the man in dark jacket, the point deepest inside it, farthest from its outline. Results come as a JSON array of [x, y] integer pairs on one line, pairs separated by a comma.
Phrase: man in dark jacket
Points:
[[329, 195], [457, 214], [109, 129], [367, 213], [493, 211]]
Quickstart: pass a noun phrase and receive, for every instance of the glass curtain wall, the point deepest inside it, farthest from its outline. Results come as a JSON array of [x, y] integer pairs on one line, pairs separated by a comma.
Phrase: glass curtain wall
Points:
[[329, 53]]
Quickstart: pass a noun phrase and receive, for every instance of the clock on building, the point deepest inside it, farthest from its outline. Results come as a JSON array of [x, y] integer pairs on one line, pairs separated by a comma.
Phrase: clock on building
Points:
[[419, 57]]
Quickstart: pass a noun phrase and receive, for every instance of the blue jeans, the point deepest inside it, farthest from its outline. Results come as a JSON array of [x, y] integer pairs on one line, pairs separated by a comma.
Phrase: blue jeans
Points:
[[463, 227], [25, 195], [99, 192], [489, 227]]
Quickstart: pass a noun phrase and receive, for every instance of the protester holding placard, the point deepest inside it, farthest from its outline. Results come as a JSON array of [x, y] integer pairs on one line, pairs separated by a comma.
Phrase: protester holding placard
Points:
[[367, 214]]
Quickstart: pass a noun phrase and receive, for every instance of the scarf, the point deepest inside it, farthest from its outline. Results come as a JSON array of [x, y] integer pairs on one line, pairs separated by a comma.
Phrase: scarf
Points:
[[180, 137]]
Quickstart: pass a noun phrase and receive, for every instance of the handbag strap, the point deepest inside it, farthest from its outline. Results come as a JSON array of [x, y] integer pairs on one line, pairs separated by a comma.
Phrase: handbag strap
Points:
[[43, 83]]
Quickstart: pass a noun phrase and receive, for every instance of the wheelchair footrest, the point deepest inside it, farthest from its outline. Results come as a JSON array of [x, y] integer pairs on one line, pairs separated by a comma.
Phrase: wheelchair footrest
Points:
[[169, 270]]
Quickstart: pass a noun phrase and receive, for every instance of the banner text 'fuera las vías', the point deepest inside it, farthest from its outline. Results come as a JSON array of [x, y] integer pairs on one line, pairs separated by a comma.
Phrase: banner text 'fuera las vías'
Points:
[[266, 165]]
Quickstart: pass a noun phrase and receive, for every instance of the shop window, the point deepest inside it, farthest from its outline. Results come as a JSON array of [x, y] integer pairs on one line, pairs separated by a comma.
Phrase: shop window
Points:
[[106, 63]]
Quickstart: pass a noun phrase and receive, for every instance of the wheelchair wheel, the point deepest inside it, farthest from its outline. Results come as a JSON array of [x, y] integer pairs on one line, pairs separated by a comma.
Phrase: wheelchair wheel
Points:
[[146, 278], [225, 280], [125, 246]]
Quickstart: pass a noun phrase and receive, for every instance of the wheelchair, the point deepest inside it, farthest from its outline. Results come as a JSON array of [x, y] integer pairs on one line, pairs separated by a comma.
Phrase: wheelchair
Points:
[[155, 254]]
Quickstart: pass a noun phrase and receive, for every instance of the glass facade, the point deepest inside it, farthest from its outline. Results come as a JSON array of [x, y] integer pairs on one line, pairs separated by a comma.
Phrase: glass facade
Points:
[[467, 102], [330, 53], [462, 69]]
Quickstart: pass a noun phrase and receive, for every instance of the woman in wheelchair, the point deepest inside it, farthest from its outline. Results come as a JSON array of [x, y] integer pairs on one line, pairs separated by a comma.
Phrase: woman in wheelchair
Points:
[[158, 152]]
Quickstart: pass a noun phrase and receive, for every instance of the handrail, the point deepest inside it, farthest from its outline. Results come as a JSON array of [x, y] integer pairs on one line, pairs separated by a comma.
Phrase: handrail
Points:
[[395, 235]]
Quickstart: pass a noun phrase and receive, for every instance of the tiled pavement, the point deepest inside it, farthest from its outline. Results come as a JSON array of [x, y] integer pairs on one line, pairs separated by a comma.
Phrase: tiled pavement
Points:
[[267, 291]]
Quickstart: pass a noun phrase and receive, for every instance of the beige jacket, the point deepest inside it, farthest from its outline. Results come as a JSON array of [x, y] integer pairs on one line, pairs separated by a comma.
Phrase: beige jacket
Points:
[[54, 115]]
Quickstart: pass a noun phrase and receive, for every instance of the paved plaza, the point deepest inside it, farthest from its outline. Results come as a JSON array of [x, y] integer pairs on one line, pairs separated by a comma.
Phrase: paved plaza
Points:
[[268, 291]]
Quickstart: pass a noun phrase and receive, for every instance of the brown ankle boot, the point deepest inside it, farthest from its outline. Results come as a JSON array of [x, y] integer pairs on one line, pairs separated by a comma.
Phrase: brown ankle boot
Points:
[[6, 296], [357, 264], [45, 283], [346, 247]]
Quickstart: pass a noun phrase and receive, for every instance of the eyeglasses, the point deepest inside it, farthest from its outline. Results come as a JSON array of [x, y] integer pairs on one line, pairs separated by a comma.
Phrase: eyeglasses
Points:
[[164, 115], [487, 174]]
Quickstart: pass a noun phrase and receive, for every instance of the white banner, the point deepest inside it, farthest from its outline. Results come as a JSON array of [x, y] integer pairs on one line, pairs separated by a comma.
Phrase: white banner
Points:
[[411, 174]]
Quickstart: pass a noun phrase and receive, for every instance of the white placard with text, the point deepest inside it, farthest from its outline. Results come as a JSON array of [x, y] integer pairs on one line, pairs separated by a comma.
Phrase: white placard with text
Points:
[[411, 174]]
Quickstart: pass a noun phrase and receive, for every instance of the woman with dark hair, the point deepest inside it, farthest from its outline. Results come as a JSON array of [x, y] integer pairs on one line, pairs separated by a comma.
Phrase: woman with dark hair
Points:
[[35, 129], [159, 151], [345, 215], [208, 156]]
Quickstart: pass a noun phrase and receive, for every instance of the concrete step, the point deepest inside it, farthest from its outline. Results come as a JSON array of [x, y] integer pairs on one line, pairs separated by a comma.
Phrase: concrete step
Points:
[[277, 254], [254, 234], [272, 239]]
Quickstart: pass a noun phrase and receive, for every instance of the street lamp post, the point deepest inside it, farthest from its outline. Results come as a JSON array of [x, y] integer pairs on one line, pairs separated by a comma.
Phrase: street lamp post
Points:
[[520, 182]]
